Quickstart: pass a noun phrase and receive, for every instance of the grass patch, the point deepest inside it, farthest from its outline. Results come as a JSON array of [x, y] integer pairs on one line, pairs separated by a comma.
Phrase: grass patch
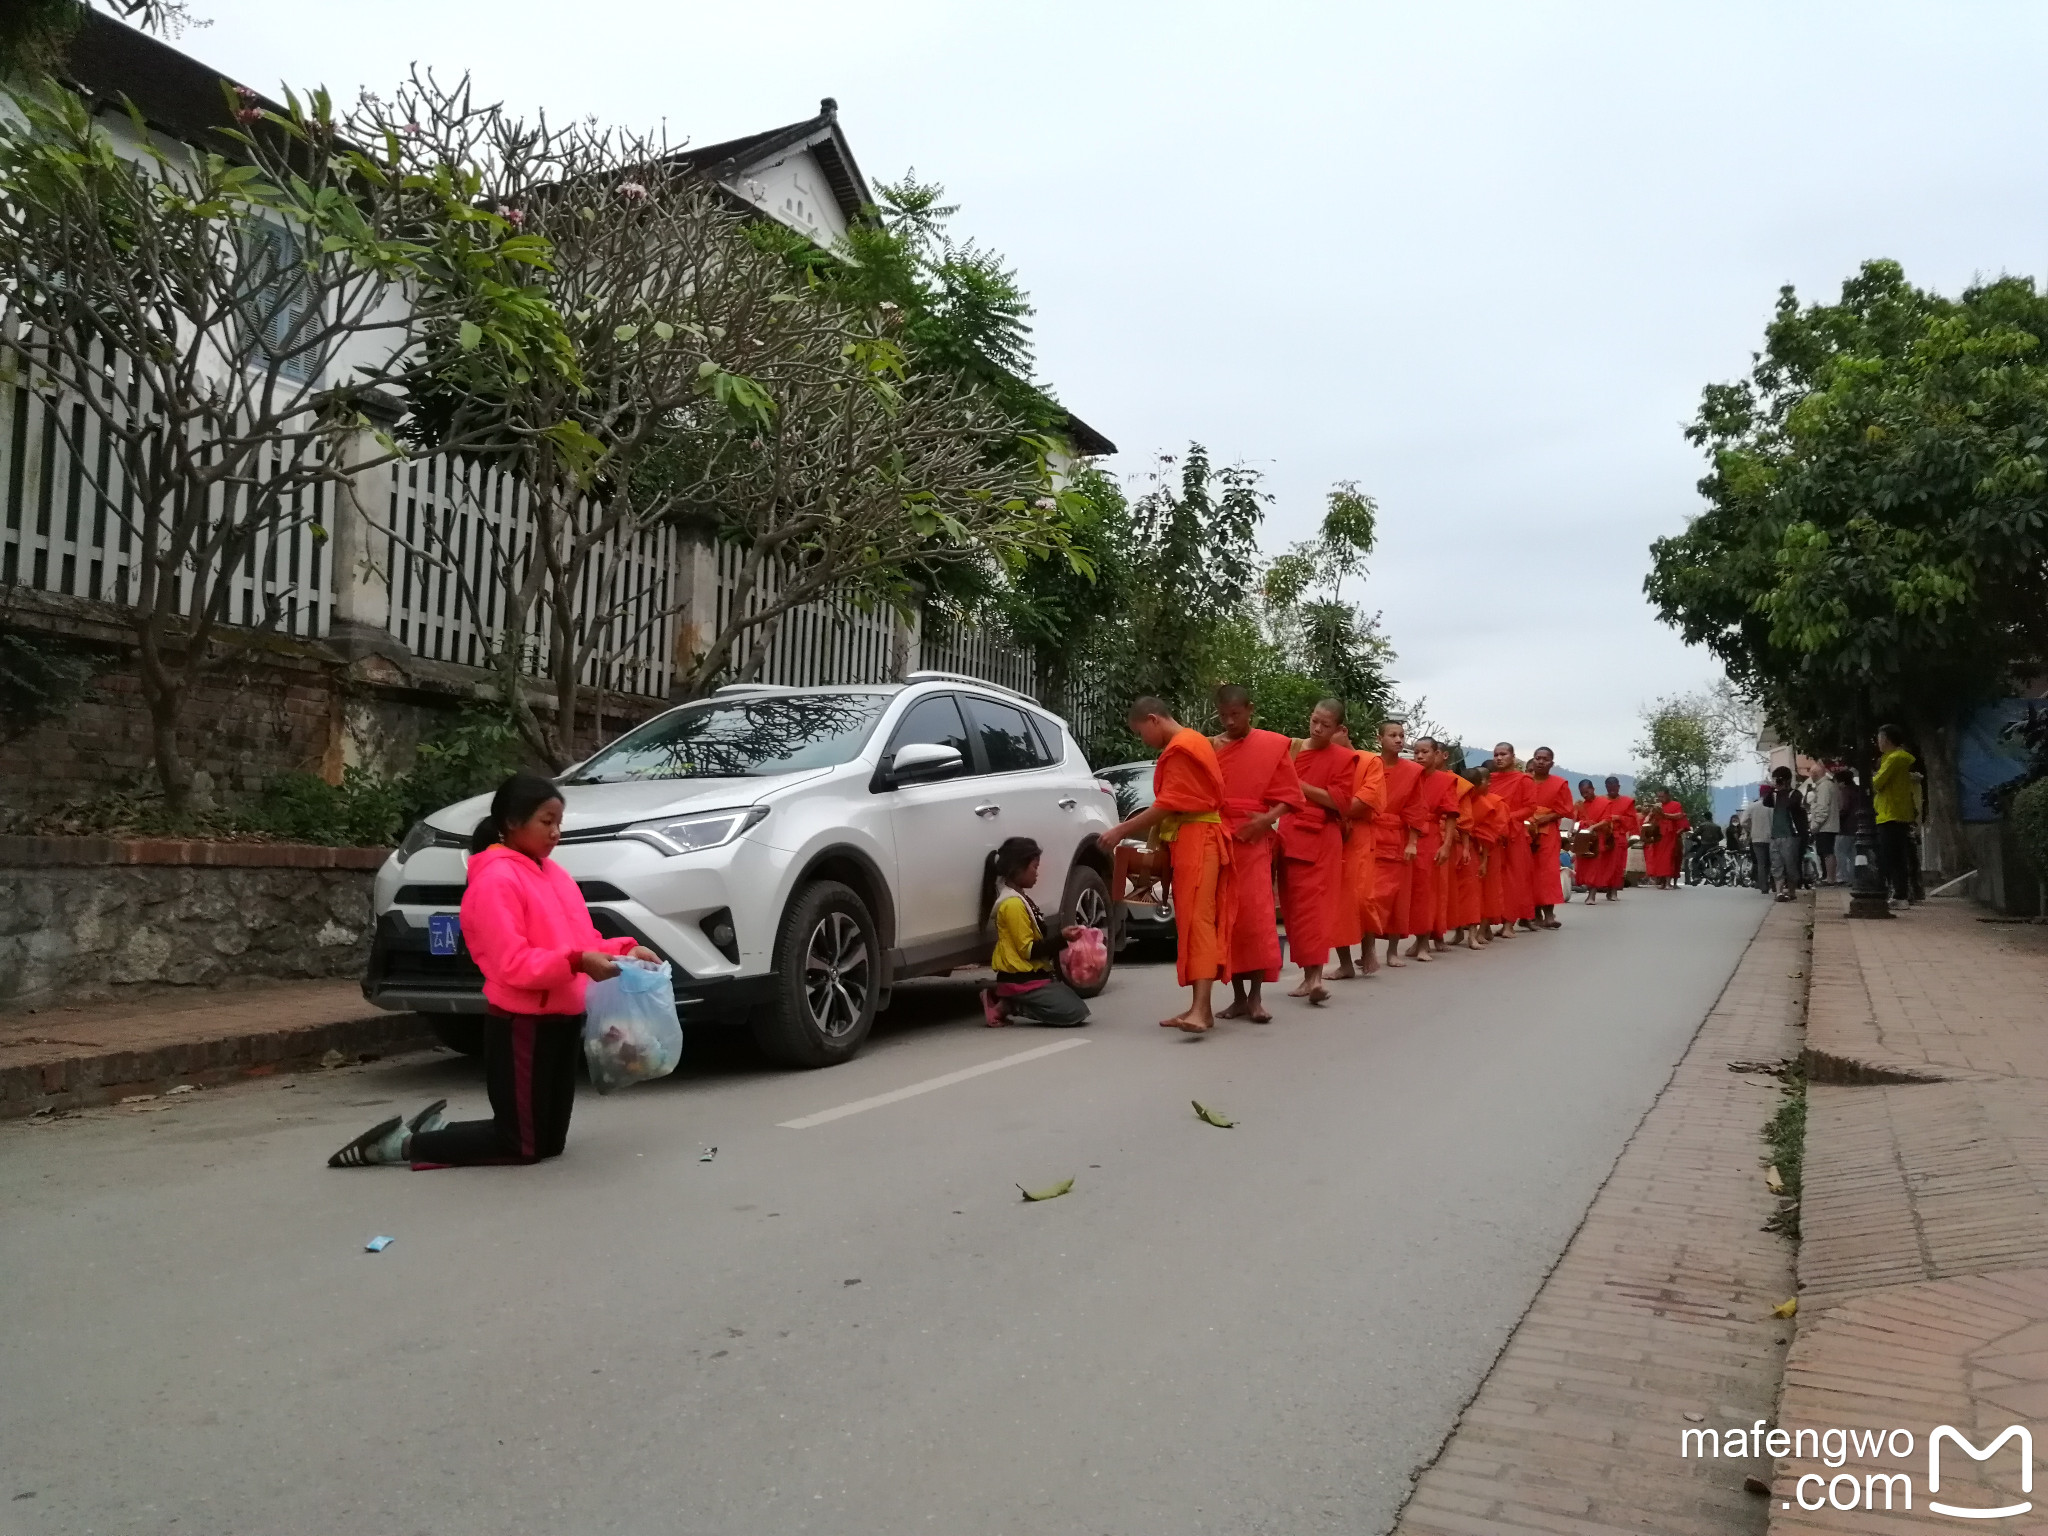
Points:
[[1785, 1134]]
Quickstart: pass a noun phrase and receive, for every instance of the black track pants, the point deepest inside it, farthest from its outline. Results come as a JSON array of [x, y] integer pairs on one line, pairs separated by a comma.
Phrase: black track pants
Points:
[[530, 1064]]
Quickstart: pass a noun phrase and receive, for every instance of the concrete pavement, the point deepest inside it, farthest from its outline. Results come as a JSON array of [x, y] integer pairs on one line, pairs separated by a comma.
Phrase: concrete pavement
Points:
[[856, 1326]]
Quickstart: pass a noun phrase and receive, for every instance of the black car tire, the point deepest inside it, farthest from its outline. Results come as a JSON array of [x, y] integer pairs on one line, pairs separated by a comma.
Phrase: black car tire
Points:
[[828, 979], [1086, 902]]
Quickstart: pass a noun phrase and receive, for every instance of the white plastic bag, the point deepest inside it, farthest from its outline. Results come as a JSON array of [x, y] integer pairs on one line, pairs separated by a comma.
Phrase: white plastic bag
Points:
[[630, 1030]]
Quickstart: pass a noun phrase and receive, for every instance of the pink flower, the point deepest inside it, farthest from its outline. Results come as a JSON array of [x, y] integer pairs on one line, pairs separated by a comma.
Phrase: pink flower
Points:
[[511, 216], [1046, 504], [632, 191], [249, 114], [412, 130], [245, 93]]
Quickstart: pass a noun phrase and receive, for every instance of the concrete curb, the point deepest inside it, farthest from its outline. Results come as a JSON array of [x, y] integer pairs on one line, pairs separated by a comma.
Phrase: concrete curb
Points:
[[103, 1077]]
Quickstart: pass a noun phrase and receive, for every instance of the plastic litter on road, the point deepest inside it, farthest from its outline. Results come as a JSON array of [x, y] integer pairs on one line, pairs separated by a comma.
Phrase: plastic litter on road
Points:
[[378, 1244], [709, 1154]]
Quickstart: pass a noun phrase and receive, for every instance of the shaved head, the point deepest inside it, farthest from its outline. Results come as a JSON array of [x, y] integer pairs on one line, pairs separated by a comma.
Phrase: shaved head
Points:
[[1233, 693], [1146, 706]]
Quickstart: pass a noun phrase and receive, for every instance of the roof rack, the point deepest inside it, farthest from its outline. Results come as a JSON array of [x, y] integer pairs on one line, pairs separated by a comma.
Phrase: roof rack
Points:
[[737, 688], [964, 677]]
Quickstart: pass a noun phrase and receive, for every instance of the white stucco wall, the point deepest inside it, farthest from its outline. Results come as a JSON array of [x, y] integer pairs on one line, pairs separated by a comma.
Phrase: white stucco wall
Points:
[[794, 191]]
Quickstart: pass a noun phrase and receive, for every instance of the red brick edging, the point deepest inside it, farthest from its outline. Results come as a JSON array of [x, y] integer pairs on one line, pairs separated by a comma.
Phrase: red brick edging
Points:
[[48, 852]]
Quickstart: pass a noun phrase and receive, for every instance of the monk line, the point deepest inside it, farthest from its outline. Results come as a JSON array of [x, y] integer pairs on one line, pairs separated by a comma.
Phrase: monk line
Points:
[[930, 1083]]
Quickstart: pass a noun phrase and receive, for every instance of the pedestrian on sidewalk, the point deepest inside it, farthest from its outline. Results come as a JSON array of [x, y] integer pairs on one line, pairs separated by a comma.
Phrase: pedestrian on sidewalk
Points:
[[1788, 833], [526, 926], [1028, 987], [1757, 820], [1893, 795], [1824, 814]]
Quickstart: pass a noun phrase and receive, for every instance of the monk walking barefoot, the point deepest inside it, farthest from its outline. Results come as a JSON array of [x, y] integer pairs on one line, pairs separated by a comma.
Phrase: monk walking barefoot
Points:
[[1259, 787], [1550, 801], [1312, 847], [1395, 830], [1186, 815]]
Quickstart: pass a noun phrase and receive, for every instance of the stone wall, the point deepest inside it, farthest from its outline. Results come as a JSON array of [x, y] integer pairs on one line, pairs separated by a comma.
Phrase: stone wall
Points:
[[281, 705], [91, 919]]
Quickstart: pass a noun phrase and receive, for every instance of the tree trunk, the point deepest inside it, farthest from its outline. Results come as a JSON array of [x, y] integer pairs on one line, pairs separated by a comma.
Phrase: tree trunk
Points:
[[173, 773], [1947, 852]]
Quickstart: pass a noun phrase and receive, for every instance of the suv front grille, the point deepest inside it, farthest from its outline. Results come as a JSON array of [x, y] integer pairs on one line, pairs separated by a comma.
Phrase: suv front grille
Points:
[[451, 895]]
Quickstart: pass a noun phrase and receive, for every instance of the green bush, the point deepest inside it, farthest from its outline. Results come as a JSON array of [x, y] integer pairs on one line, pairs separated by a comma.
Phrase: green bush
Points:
[[2030, 822], [368, 811]]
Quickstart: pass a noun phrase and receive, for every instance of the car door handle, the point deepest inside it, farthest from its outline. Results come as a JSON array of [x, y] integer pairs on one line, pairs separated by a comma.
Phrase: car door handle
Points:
[[1067, 802], [986, 811]]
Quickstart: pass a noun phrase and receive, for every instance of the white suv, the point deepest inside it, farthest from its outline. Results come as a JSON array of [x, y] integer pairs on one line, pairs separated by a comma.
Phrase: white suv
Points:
[[791, 851]]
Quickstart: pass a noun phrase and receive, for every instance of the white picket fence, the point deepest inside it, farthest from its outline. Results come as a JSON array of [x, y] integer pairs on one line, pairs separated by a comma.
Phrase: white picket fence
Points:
[[70, 523], [459, 537], [829, 641], [979, 653]]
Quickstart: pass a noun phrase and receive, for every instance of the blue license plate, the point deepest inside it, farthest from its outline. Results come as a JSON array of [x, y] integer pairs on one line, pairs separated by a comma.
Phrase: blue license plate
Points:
[[444, 934]]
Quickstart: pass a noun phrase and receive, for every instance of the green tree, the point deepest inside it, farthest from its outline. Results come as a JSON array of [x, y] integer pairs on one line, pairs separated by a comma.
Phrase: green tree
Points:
[[219, 319], [1685, 748], [1875, 544]]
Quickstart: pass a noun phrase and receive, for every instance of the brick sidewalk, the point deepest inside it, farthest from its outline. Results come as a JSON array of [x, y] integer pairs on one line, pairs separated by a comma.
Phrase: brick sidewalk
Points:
[[1924, 1265], [68, 1058], [1659, 1309]]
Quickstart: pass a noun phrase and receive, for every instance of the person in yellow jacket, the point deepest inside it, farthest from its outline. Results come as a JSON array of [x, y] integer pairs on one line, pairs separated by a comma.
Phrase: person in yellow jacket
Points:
[[1893, 797], [1028, 987]]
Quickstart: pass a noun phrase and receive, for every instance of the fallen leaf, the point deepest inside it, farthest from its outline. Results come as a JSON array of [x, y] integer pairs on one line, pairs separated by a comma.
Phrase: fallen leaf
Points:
[[1050, 1192], [1214, 1117], [333, 1059], [1786, 1308], [1773, 1180], [138, 1098], [1695, 1418], [181, 1088], [1757, 1485]]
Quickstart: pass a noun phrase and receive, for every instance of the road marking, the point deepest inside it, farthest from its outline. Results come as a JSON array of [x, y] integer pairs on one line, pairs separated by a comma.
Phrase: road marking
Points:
[[927, 1086]]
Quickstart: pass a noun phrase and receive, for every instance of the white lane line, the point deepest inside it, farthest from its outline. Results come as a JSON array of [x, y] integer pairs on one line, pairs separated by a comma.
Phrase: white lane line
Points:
[[927, 1086]]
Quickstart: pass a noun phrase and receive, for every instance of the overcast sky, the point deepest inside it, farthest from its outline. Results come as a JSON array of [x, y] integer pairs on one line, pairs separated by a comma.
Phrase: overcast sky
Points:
[[1479, 258]]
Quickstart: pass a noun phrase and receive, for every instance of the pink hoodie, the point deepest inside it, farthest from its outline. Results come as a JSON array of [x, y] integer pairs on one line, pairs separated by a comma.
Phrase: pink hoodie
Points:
[[524, 922]]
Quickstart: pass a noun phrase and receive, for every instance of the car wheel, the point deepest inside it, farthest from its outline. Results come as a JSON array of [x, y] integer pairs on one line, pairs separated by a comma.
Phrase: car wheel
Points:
[[828, 969], [1087, 903]]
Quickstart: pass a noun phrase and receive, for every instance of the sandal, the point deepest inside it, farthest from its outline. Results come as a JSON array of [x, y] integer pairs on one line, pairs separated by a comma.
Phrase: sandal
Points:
[[367, 1150], [428, 1119]]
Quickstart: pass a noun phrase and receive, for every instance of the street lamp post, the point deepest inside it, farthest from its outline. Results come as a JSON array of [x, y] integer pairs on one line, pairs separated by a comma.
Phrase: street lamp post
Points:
[[1866, 891]]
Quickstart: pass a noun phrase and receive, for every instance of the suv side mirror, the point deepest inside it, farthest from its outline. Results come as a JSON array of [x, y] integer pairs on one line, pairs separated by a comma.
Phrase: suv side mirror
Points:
[[921, 761]]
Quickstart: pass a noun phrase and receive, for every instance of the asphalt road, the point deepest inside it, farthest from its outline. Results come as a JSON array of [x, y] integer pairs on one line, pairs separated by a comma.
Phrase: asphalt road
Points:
[[856, 1326]]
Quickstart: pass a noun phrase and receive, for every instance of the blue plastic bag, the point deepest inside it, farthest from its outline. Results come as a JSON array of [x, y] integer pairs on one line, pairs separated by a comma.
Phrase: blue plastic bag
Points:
[[630, 1029]]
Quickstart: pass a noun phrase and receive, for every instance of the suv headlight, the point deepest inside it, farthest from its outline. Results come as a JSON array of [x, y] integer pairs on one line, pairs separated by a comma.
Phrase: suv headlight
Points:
[[698, 830], [422, 837]]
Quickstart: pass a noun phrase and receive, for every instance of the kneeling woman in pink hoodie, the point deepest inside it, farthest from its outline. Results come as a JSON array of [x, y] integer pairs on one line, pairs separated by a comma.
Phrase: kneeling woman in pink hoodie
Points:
[[530, 933]]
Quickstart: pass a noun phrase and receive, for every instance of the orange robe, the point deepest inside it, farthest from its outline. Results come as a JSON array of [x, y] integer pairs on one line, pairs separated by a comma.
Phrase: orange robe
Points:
[[1587, 868], [1369, 797], [1258, 773], [1188, 781], [1312, 856], [1490, 830], [1390, 870], [1661, 854], [1546, 882], [1614, 863], [1429, 881], [1518, 873], [1461, 910]]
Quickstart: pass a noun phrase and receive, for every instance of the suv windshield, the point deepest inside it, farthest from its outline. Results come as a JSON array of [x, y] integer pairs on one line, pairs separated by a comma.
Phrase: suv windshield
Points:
[[741, 738]]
